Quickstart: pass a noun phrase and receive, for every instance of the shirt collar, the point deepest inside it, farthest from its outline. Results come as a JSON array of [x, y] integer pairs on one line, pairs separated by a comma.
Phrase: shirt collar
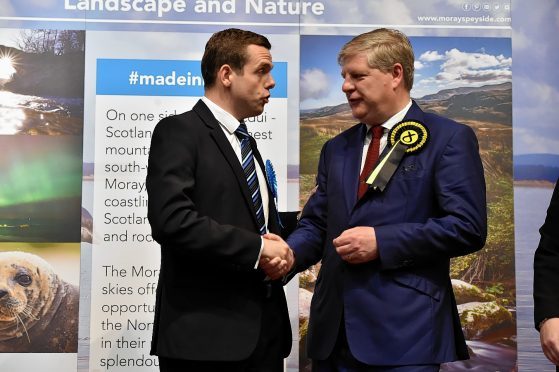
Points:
[[227, 121], [396, 118]]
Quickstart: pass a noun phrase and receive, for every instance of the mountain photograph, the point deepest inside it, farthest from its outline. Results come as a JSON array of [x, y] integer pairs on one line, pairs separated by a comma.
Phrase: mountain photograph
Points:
[[471, 85]]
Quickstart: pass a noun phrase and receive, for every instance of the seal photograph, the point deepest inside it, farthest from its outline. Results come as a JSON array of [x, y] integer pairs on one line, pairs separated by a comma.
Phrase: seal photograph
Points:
[[38, 309]]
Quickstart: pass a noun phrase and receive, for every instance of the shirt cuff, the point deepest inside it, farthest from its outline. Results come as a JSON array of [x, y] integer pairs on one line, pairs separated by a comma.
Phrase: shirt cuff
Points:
[[259, 253]]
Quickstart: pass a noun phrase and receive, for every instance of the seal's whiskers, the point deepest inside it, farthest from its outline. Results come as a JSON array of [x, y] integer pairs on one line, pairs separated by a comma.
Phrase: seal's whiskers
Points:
[[28, 312], [24, 328]]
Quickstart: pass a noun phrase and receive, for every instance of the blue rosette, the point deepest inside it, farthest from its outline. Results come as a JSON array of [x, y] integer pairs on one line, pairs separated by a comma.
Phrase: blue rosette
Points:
[[273, 183], [272, 180]]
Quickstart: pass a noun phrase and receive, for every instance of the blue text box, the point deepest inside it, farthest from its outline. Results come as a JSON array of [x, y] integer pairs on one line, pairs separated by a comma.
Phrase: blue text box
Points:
[[147, 77]]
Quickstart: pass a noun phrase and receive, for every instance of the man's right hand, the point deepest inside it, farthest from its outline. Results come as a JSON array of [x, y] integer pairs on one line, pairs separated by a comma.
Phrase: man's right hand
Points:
[[277, 258]]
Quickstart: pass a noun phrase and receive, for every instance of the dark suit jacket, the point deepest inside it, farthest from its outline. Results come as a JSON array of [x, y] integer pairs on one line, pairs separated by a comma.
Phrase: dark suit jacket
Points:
[[399, 309], [209, 297], [546, 265]]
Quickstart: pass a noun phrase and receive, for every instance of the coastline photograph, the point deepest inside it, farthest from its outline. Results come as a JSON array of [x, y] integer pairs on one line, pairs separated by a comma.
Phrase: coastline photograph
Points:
[[536, 156], [41, 81]]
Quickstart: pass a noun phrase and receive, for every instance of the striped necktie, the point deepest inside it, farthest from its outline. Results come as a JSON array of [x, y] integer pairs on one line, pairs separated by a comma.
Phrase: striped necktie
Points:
[[249, 167]]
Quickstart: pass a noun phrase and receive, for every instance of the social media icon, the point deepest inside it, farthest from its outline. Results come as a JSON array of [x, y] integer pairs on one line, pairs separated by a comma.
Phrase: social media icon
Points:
[[507, 6], [476, 7], [486, 7], [496, 6], [466, 6]]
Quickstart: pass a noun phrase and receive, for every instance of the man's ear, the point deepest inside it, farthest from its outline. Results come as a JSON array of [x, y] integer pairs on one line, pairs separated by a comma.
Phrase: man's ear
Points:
[[224, 75], [397, 74]]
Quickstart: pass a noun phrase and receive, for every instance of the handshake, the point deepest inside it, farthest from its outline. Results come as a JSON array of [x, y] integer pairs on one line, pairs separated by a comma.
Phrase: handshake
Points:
[[277, 258]]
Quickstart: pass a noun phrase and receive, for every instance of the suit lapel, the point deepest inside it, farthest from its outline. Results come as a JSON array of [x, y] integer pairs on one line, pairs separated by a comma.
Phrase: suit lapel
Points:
[[225, 147], [414, 113], [353, 152]]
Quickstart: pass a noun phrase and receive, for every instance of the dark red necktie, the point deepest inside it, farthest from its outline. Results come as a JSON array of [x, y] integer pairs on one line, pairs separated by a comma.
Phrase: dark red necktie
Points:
[[370, 160]]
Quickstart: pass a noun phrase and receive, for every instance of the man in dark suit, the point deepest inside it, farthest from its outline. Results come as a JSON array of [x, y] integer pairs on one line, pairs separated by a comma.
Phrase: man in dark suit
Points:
[[217, 307], [383, 298], [546, 281]]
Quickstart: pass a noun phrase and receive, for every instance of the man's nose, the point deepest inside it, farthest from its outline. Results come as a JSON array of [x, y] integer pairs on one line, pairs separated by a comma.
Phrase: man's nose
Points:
[[347, 85], [270, 83]]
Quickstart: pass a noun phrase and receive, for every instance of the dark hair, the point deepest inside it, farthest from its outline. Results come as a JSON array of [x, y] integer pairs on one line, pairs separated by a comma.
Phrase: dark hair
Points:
[[228, 47]]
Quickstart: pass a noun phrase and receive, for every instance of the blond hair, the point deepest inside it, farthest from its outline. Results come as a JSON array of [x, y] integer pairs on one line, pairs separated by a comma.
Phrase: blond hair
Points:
[[384, 48]]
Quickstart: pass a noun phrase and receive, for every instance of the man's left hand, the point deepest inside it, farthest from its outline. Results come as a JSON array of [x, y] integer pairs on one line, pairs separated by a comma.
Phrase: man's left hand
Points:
[[549, 337], [357, 245]]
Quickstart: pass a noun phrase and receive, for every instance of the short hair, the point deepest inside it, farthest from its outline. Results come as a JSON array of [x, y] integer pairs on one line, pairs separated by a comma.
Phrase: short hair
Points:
[[228, 47], [384, 47]]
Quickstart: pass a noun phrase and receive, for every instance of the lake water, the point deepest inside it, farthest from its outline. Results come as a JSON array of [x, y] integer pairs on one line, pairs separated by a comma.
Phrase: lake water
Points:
[[24, 114], [530, 205]]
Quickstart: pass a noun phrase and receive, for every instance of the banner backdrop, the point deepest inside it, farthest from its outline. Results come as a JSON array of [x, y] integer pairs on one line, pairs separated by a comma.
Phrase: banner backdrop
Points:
[[130, 96], [83, 83]]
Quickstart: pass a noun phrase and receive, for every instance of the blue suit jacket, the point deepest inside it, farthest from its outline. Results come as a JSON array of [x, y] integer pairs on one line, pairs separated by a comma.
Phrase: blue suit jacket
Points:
[[399, 309]]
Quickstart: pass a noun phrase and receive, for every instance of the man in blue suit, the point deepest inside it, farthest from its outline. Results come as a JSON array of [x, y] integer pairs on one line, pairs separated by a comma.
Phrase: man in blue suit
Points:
[[386, 230]]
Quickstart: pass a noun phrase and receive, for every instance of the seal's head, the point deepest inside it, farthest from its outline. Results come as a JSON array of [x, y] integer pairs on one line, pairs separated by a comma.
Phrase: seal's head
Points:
[[28, 286]]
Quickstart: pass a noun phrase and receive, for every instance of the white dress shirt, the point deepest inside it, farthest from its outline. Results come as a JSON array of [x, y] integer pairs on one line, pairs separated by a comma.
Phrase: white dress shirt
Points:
[[387, 125], [229, 125]]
